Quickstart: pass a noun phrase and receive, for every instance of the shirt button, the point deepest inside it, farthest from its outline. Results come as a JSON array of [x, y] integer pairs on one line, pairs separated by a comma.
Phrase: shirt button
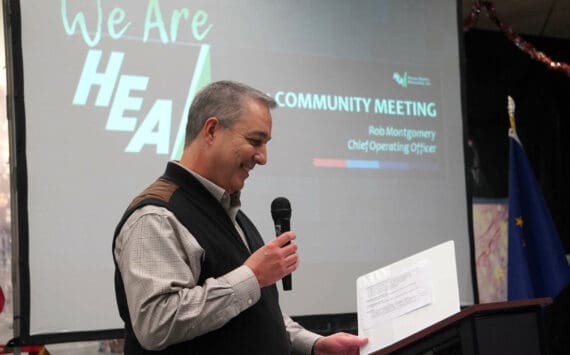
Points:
[[249, 301]]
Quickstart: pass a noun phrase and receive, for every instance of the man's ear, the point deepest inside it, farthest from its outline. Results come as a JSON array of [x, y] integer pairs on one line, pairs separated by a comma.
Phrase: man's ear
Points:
[[210, 128]]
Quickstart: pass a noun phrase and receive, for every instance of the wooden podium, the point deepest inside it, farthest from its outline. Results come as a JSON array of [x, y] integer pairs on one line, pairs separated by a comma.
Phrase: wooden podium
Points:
[[484, 329]]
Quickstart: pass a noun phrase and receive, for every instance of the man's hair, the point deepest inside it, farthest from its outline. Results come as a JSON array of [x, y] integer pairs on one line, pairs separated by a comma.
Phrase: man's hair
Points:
[[223, 100]]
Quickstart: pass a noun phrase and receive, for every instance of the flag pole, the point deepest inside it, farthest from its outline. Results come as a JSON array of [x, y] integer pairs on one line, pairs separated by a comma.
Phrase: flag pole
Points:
[[511, 109]]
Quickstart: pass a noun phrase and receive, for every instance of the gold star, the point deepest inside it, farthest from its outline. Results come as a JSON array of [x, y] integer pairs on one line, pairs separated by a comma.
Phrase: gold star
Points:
[[519, 221]]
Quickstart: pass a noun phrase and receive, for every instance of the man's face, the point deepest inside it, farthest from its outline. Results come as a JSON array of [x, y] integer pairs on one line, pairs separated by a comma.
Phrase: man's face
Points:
[[240, 147]]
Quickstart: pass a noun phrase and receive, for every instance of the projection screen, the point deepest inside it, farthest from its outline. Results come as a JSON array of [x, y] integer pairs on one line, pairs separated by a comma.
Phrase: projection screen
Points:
[[367, 139]]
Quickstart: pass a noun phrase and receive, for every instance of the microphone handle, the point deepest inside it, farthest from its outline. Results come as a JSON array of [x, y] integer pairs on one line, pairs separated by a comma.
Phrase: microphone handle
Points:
[[287, 283], [281, 227]]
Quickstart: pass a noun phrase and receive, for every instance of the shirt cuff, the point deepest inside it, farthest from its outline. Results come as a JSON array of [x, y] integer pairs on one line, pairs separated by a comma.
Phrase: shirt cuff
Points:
[[244, 283], [305, 342], [301, 339]]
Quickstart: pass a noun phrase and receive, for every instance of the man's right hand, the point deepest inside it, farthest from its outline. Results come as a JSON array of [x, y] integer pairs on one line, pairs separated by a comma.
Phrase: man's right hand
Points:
[[274, 260]]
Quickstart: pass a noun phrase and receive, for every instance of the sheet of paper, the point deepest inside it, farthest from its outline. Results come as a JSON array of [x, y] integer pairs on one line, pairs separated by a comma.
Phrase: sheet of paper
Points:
[[407, 296], [386, 297]]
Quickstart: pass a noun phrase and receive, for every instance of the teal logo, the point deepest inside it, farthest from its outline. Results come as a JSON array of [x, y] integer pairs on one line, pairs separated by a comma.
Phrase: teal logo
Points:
[[405, 80], [401, 80]]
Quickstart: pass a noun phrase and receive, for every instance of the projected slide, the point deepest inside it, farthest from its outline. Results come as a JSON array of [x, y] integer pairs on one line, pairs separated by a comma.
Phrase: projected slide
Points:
[[395, 109], [367, 138]]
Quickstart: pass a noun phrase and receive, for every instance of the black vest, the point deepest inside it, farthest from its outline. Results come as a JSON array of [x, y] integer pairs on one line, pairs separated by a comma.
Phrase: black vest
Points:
[[257, 330]]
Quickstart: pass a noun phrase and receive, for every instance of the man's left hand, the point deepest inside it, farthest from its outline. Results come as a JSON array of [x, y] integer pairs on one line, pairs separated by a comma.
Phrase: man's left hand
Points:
[[339, 344]]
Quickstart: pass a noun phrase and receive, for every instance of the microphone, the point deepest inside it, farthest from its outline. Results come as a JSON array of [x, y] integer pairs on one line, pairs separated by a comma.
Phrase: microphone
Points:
[[281, 214]]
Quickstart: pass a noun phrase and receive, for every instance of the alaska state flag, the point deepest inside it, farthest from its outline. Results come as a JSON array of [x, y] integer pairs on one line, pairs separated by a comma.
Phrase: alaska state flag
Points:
[[537, 266]]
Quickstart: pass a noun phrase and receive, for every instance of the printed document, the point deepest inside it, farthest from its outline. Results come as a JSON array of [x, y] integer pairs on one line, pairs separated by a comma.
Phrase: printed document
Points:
[[405, 297]]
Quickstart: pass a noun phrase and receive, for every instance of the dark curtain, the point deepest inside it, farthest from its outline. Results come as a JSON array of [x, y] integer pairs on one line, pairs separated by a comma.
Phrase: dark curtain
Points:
[[495, 68]]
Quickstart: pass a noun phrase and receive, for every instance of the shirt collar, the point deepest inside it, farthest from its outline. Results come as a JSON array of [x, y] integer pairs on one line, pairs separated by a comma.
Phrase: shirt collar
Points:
[[230, 202]]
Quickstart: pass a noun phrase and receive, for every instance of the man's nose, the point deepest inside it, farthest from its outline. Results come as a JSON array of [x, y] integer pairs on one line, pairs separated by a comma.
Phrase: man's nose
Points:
[[260, 156]]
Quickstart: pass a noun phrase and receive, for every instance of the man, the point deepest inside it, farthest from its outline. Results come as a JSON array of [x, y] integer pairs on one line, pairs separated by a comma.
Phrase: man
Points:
[[193, 275]]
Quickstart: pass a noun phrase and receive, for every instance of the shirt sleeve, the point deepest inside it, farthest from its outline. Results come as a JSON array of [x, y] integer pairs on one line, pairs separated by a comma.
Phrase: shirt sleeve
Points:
[[302, 340], [160, 263]]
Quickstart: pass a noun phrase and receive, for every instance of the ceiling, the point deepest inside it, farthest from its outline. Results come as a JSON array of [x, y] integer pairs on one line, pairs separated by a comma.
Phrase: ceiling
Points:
[[543, 18]]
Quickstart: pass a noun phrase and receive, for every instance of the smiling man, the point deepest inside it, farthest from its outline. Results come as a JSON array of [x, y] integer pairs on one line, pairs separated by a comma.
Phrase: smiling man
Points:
[[193, 275]]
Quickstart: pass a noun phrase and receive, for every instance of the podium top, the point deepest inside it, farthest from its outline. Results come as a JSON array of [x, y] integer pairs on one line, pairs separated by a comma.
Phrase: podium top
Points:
[[477, 309]]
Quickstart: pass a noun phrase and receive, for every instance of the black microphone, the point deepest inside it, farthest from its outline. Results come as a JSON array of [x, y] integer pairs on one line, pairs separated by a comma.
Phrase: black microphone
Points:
[[281, 214]]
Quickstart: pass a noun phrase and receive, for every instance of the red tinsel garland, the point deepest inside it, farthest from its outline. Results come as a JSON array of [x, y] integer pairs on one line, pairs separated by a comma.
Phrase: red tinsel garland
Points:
[[523, 45]]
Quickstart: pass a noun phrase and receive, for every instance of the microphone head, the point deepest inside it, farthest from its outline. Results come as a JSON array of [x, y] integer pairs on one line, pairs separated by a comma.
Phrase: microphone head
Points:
[[280, 208]]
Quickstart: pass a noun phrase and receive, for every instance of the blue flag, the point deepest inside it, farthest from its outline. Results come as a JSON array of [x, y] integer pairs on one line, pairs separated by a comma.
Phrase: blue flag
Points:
[[537, 266]]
